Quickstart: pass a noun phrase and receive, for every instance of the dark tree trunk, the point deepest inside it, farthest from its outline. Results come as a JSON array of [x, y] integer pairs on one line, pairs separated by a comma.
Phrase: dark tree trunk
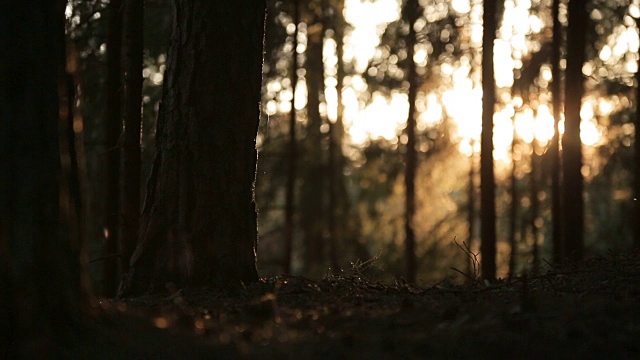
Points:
[[513, 209], [332, 166], [636, 180], [293, 150], [312, 203], [199, 223], [535, 206], [131, 148], [412, 13], [487, 177], [342, 203], [37, 269], [554, 147], [471, 211], [113, 121], [573, 212]]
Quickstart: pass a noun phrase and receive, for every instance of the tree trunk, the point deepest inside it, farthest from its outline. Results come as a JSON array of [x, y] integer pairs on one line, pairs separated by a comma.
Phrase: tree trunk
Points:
[[293, 150], [412, 13], [573, 213], [113, 122], [199, 223], [332, 166], [487, 177], [513, 209], [535, 206], [131, 151], [636, 147], [471, 211], [312, 203], [554, 147], [37, 271]]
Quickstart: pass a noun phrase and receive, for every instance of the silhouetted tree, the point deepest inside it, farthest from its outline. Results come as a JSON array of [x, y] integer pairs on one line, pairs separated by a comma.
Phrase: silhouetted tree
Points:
[[513, 206], [293, 148], [199, 223], [573, 202], [412, 13], [312, 204], [38, 273], [636, 178], [113, 129], [534, 178], [554, 146], [487, 177], [131, 145]]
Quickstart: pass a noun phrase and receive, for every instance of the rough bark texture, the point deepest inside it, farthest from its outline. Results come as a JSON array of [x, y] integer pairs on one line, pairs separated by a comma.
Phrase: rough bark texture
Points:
[[487, 177], [554, 146], [412, 11], [39, 303], [573, 214], [131, 157], [293, 150], [199, 223], [113, 129]]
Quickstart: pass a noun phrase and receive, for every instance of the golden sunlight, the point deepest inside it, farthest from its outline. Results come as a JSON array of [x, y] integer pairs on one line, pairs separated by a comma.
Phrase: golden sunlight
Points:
[[372, 116]]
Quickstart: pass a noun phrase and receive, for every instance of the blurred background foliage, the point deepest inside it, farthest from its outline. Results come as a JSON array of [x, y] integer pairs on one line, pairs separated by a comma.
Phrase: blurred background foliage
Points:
[[349, 192]]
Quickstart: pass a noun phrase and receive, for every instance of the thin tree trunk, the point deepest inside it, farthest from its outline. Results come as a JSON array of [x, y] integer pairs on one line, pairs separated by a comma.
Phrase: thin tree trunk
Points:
[[471, 210], [573, 213], [291, 166], [412, 7], [554, 147], [313, 211], [513, 209], [133, 119], [332, 206], [636, 147], [113, 130], [199, 223], [535, 206], [342, 196], [487, 177]]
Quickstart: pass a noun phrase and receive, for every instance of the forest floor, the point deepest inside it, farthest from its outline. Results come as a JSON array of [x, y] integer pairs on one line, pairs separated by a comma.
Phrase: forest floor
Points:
[[591, 310]]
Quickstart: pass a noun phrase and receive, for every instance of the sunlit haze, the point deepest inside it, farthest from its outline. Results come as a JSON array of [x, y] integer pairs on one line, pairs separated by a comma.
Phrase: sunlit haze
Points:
[[460, 98]]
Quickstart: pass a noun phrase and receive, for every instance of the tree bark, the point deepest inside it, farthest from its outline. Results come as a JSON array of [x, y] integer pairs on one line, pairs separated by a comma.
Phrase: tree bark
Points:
[[131, 158], [113, 129], [199, 223], [487, 177], [573, 214]]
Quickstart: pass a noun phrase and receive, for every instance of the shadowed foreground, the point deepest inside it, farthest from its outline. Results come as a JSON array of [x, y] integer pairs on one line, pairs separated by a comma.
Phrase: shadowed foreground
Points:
[[589, 311]]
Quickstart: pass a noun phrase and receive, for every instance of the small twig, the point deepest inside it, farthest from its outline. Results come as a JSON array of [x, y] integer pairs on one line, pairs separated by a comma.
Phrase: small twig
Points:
[[473, 257]]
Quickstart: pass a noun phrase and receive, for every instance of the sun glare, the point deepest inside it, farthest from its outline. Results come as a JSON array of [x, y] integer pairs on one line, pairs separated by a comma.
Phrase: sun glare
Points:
[[459, 99]]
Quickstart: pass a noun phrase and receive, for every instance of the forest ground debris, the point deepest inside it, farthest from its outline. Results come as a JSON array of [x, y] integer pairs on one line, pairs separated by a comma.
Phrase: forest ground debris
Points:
[[589, 310]]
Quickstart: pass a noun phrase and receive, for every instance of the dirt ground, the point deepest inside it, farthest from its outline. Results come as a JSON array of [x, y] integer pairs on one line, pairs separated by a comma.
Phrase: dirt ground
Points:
[[590, 311]]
